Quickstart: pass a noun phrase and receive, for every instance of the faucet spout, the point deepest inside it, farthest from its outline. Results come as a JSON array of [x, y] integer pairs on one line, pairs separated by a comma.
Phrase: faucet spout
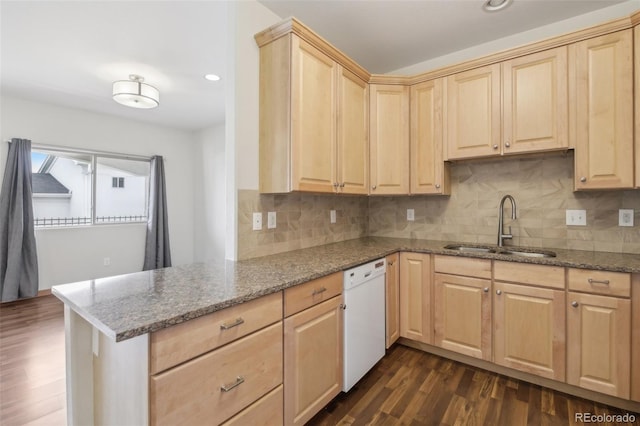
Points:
[[501, 235]]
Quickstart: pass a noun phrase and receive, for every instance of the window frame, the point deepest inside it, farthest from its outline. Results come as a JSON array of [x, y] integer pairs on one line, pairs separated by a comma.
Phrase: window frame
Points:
[[94, 164]]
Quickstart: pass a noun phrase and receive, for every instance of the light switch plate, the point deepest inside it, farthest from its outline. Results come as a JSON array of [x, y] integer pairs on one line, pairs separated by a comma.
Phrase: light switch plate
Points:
[[332, 216], [257, 221], [625, 217], [411, 215], [577, 217], [271, 220]]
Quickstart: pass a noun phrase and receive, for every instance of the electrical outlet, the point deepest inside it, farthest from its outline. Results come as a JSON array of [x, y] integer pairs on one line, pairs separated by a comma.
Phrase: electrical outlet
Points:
[[577, 217], [332, 216], [271, 220], [106, 261], [625, 217], [257, 221], [411, 215]]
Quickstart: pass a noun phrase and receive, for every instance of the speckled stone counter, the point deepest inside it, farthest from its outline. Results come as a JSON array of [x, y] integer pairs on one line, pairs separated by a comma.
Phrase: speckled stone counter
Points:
[[129, 305]]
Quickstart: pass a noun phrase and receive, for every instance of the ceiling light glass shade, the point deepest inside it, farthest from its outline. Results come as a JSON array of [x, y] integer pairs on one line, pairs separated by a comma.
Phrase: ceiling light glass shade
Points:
[[134, 93], [495, 5]]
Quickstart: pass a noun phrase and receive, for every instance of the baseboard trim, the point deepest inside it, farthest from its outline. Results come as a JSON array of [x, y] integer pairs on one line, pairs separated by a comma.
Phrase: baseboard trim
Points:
[[531, 378], [46, 292]]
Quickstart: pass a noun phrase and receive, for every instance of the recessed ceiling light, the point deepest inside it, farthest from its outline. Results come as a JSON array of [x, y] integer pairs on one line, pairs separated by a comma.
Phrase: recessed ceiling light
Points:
[[495, 5], [212, 77]]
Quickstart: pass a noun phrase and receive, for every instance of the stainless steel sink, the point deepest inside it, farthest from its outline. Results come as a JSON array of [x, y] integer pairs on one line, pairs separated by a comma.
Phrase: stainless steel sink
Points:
[[531, 253], [469, 248]]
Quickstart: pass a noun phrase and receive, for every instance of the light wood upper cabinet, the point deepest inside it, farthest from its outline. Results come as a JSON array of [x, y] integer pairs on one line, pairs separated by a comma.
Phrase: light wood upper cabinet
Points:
[[473, 113], [312, 359], [636, 55], [313, 121], [415, 297], [353, 134], [602, 108], [429, 173], [599, 343], [389, 138], [535, 102], [392, 306]]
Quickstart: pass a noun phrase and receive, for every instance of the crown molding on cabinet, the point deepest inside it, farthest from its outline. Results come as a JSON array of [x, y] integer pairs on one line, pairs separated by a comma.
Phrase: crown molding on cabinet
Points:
[[293, 25]]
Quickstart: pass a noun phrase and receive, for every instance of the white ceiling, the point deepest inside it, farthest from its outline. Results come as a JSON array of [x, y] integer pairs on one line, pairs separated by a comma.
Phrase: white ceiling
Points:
[[69, 52]]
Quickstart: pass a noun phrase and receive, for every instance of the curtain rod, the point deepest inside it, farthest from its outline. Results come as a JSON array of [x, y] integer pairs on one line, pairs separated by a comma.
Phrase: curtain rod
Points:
[[90, 152]]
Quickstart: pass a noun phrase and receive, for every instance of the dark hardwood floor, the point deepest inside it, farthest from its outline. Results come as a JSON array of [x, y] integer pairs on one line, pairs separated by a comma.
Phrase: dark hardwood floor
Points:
[[32, 366], [407, 387]]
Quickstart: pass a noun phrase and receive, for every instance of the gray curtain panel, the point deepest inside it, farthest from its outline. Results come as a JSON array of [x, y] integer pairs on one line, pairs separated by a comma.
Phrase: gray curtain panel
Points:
[[18, 257], [157, 251]]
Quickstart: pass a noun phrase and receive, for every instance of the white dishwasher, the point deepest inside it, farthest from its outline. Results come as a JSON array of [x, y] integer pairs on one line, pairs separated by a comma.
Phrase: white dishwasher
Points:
[[364, 320]]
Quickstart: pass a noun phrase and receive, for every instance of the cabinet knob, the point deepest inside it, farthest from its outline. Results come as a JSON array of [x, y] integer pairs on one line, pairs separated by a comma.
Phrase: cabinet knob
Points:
[[583, 179], [437, 186], [335, 184], [574, 304], [342, 185], [390, 263], [495, 147], [507, 144], [486, 289], [498, 292], [374, 187]]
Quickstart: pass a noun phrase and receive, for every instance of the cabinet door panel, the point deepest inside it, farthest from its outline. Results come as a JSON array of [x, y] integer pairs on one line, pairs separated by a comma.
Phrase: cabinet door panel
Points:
[[604, 112], [353, 134], [636, 55], [462, 315], [393, 299], [429, 174], [473, 113], [312, 359], [599, 343], [313, 112], [389, 135], [535, 114], [415, 297], [529, 329]]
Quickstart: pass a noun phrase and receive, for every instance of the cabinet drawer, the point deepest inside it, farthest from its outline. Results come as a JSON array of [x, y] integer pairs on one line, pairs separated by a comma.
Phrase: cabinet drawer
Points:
[[192, 393], [600, 282], [456, 265], [267, 411], [308, 294], [174, 345], [523, 273]]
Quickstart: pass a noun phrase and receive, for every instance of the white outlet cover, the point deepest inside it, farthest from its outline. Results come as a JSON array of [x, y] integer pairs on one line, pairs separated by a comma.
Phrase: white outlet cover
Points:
[[257, 221], [625, 217], [576, 217], [332, 216], [411, 215], [271, 220]]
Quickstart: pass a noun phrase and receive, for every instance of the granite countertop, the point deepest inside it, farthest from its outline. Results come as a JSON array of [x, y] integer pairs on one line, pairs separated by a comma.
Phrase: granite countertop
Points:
[[130, 305]]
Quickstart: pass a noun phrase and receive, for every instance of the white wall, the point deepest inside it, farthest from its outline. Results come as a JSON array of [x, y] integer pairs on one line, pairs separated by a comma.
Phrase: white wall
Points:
[[246, 18], [67, 255], [210, 188], [558, 28]]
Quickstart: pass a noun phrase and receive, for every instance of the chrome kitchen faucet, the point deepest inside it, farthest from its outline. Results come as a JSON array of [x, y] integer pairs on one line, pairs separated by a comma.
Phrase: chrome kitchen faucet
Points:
[[501, 235]]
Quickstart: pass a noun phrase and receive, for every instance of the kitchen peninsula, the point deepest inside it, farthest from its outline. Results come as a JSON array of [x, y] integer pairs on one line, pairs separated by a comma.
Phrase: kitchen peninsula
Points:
[[110, 323]]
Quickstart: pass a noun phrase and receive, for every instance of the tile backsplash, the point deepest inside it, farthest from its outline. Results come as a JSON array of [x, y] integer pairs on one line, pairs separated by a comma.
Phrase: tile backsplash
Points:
[[543, 189], [541, 185]]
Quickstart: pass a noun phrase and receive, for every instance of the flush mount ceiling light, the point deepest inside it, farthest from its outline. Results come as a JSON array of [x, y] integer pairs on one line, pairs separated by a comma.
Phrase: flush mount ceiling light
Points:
[[495, 5], [134, 93]]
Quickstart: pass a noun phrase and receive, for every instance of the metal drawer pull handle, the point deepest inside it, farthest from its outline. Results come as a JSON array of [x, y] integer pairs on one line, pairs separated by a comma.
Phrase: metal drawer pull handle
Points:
[[227, 388], [592, 281], [319, 291], [236, 323]]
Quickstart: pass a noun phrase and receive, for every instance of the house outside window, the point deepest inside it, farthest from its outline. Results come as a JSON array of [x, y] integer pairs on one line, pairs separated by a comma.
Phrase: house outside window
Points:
[[77, 188]]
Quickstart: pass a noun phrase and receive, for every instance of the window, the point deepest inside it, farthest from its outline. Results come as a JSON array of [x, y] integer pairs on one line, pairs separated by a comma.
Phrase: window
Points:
[[76, 188], [117, 182]]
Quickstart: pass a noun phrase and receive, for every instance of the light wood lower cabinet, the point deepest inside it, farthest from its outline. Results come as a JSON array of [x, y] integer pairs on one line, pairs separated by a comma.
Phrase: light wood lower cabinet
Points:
[[220, 383], [529, 329], [267, 411], [462, 315], [312, 359], [392, 306], [415, 297], [599, 343]]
